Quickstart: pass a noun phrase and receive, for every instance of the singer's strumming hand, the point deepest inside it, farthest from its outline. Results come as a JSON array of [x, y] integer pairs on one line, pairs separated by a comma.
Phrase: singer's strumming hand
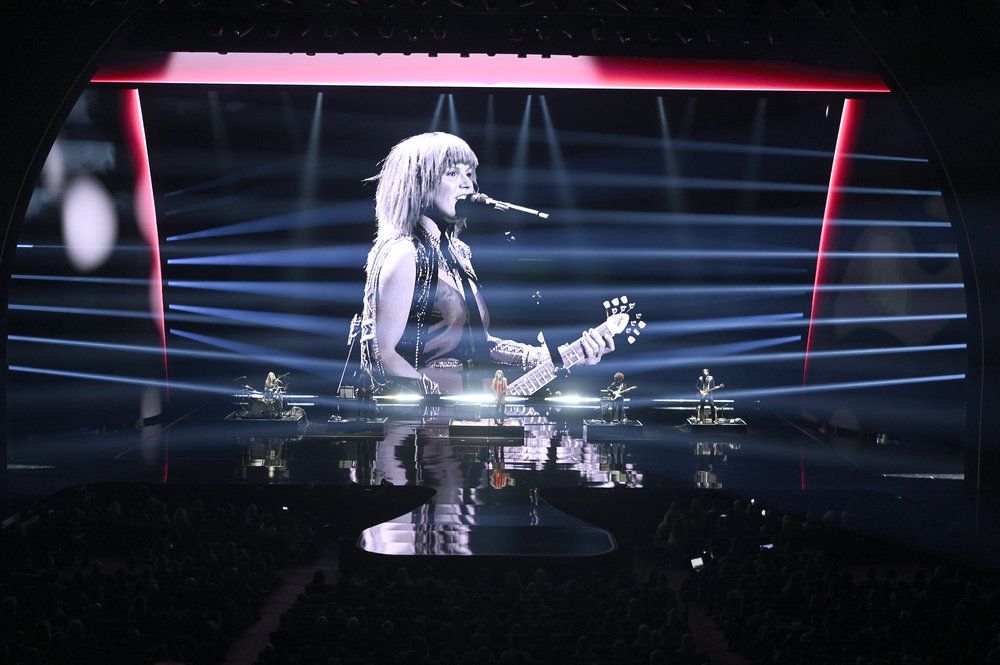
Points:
[[595, 346]]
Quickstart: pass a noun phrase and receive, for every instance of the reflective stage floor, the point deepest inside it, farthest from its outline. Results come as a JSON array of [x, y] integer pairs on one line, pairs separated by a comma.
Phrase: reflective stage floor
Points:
[[488, 497]]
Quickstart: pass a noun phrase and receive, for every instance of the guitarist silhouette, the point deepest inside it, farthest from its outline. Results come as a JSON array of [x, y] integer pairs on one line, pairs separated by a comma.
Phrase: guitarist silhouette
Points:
[[706, 385], [614, 396]]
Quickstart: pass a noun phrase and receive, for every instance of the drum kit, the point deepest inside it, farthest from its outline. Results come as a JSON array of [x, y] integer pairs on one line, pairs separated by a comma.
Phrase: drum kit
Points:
[[267, 404]]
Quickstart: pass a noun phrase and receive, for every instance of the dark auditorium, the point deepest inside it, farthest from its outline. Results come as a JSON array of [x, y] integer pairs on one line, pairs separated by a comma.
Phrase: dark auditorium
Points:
[[499, 332]]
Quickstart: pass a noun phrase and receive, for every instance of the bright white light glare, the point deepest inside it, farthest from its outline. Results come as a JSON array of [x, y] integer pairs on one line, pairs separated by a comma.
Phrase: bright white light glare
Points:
[[401, 397], [573, 400], [89, 223], [480, 399], [151, 404], [54, 170]]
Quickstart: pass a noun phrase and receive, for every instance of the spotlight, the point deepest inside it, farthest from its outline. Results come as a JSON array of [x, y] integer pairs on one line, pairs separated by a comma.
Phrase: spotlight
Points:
[[624, 36], [516, 34], [597, 33], [330, 31], [654, 35], [438, 29], [273, 30]]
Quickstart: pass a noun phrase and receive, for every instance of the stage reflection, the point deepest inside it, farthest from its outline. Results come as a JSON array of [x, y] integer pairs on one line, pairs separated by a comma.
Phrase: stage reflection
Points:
[[486, 499]]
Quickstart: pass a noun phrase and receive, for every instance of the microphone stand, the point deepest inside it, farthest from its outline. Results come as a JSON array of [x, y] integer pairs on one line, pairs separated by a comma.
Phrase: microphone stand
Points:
[[352, 336]]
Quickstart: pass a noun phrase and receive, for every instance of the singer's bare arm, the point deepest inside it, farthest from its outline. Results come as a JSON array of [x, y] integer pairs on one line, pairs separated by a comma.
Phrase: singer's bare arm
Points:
[[396, 282], [514, 353]]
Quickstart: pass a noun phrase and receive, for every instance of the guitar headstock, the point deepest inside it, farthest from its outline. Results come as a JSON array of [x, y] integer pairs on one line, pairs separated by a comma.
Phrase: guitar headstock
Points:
[[623, 317]]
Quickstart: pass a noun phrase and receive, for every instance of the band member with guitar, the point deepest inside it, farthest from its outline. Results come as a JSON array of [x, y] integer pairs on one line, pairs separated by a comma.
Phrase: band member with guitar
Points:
[[425, 325], [615, 395], [499, 385], [706, 385]]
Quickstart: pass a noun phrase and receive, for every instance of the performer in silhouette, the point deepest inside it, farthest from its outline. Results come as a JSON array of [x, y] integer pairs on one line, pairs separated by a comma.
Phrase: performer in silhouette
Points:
[[706, 385]]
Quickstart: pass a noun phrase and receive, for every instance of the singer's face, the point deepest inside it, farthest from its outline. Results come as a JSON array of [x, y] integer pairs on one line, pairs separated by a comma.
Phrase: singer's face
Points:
[[456, 182]]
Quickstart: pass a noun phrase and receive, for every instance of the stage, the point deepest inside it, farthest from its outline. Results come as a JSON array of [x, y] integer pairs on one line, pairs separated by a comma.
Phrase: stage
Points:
[[489, 481]]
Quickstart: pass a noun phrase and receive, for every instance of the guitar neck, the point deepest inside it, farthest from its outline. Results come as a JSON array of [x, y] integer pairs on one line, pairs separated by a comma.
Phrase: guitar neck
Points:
[[543, 373]]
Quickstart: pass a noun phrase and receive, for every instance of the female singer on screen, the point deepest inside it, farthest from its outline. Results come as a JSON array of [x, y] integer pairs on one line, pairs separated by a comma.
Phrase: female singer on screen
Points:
[[425, 323]]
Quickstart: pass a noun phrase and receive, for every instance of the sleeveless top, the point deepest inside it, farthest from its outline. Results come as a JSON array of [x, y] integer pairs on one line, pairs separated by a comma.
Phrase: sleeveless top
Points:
[[437, 315]]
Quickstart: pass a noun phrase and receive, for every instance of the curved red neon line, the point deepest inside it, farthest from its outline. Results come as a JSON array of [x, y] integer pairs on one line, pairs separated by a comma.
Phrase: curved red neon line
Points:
[[145, 210], [506, 71], [839, 172]]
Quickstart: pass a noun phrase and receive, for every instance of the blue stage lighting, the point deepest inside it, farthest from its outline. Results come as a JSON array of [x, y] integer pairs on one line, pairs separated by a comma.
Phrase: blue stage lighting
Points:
[[339, 256], [669, 218], [324, 367], [348, 212], [126, 348], [131, 380], [341, 292], [319, 325], [80, 279], [835, 387]]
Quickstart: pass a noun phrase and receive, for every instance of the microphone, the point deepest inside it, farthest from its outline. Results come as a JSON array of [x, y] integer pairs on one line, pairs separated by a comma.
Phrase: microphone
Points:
[[482, 199]]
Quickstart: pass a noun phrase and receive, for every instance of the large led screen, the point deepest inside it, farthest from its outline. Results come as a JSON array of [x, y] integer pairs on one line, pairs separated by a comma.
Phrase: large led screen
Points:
[[189, 236]]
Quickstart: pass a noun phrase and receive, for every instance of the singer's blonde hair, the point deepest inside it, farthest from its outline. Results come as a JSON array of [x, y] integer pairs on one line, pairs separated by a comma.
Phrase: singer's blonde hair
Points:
[[409, 175]]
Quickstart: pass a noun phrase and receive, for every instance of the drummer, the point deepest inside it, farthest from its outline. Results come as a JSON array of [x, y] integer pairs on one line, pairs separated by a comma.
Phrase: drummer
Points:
[[271, 383]]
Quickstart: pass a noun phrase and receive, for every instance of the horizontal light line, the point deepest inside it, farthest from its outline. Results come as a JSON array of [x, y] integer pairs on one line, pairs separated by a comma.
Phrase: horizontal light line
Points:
[[123, 248], [325, 367], [498, 290], [129, 380], [836, 387], [649, 217], [618, 179], [332, 215], [323, 291], [321, 325], [76, 279], [557, 253], [756, 322], [97, 311], [310, 257], [127, 348]]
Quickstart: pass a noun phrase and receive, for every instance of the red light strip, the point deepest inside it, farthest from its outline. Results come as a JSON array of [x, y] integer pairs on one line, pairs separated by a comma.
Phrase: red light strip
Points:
[[502, 71], [839, 172], [145, 210]]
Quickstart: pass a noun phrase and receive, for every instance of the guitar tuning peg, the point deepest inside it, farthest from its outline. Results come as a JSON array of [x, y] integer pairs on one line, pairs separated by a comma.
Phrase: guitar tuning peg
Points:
[[638, 316], [631, 306], [606, 304], [631, 340], [642, 324], [614, 310], [624, 299], [614, 302]]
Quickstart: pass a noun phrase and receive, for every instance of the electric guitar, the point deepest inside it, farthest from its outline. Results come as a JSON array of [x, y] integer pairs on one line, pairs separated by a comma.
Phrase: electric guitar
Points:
[[705, 392], [617, 394], [619, 319]]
